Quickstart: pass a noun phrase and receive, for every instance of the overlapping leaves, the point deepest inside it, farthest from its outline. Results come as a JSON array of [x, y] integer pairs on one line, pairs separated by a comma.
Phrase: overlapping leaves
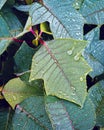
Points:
[[67, 23], [60, 64]]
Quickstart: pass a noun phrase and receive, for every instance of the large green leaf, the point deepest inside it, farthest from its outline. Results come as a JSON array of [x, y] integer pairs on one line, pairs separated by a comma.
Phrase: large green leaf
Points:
[[96, 93], [31, 115], [68, 116], [93, 11], [16, 91], [64, 20], [63, 69]]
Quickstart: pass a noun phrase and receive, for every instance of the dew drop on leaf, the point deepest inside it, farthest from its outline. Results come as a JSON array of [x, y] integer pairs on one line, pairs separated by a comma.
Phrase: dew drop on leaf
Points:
[[73, 88], [81, 79], [76, 57], [69, 52]]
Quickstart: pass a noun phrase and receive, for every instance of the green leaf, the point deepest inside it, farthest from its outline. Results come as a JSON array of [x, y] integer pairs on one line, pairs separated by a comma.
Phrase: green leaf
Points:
[[93, 11], [31, 115], [64, 20], [58, 115], [96, 93], [2, 2], [23, 60], [10, 25], [63, 69], [68, 116], [44, 28], [16, 91]]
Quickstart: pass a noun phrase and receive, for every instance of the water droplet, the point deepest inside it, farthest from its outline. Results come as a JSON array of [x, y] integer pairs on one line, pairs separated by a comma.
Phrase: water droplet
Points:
[[76, 57], [14, 98], [73, 88], [69, 52], [81, 79], [55, 61]]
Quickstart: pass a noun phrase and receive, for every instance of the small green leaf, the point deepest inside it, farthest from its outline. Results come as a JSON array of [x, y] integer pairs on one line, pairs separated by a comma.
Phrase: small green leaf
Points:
[[63, 69], [45, 28], [16, 91]]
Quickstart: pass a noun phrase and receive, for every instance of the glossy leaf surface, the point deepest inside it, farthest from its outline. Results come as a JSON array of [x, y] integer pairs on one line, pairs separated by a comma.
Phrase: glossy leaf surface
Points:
[[64, 20], [58, 64], [31, 114], [16, 91], [70, 114]]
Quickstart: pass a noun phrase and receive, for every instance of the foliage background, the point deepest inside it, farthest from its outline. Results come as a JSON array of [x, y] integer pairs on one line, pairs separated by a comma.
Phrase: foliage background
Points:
[[73, 33]]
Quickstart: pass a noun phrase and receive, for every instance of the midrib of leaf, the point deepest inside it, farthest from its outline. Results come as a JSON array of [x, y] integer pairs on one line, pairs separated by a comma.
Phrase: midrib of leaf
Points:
[[67, 115], [51, 62], [29, 115], [97, 11], [58, 113], [57, 19], [51, 14], [58, 65], [60, 24]]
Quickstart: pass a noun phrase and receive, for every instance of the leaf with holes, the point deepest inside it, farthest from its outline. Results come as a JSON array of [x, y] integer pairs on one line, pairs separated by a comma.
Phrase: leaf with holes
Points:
[[93, 11], [64, 20], [31, 115], [16, 91], [58, 63]]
